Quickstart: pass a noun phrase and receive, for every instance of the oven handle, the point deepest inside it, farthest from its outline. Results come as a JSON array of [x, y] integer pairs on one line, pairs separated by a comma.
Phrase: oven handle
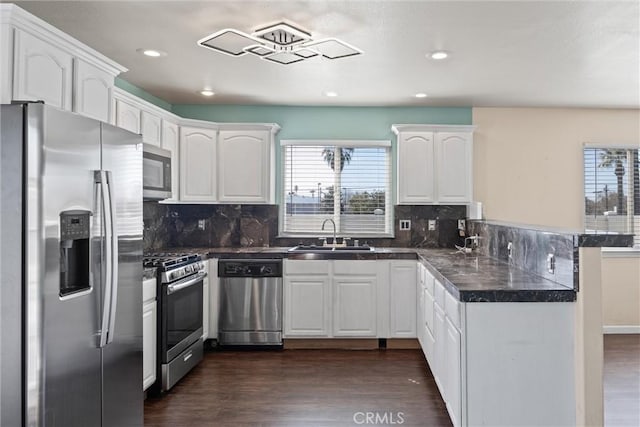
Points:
[[185, 283]]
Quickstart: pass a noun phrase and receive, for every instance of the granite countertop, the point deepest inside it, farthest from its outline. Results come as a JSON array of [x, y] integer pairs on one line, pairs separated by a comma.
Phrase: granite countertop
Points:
[[468, 277], [473, 278]]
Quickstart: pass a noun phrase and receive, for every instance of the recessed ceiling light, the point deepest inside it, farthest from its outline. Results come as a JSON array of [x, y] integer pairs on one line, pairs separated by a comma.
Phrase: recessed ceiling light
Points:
[[439, 54], [421, 95], [153, 53], [207, 92], [331, 94]]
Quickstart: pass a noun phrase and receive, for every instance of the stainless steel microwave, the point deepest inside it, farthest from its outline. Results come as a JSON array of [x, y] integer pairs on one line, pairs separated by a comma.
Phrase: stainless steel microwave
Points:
[[156, 172]]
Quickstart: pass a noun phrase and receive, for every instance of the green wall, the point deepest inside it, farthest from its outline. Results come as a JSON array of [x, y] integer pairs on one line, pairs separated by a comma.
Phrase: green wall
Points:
[[328, 122], [140, 93]]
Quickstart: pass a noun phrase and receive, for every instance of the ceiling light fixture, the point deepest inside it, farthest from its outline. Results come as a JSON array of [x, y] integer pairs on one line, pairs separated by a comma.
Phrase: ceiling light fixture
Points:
[[207, 92], [421, 95], [331, 94], [439, 54], [282, 43], [153, 53]]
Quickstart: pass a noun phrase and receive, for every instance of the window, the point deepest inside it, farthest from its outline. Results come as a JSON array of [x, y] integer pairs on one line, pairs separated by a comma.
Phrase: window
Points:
[[612, 190], [346, 181]]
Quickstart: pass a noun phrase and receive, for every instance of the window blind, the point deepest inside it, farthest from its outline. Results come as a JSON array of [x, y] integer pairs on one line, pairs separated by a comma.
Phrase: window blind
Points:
[[612, 191], [348, 182]]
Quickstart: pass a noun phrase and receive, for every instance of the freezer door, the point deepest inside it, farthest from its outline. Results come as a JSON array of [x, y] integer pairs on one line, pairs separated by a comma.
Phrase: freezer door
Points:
[[70, 359], [122, 355], [11, 248]]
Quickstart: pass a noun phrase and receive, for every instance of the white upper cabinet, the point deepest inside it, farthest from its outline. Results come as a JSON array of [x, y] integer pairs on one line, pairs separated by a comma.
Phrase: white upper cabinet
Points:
[[42, 72], [170, 141], [92, 91], [416, 157], [197, 164], [127, 116], [151, 128], [434, 164], [243, 166], [41, 63], [454, 178]]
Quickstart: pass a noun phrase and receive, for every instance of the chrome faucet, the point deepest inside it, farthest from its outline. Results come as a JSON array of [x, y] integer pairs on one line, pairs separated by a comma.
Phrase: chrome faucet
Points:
[[334, 229]]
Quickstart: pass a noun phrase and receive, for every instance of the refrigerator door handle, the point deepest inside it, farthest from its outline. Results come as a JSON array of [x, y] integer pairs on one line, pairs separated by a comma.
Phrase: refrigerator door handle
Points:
[[103, 178], [113, 261]]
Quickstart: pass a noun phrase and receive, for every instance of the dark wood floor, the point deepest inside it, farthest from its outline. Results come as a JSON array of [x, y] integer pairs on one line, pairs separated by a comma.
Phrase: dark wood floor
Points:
[[330, 387], [622, 380], [302, 388]]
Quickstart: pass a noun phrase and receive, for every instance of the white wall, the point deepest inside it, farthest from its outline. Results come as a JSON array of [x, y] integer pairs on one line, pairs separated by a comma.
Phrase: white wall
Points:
[[528, 169]]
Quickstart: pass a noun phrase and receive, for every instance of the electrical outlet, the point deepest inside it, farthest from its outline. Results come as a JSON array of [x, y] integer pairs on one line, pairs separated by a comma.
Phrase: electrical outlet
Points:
[[405, 224], [551, 263], [461, 224], [201, 224], [431, 224], [510, 250]]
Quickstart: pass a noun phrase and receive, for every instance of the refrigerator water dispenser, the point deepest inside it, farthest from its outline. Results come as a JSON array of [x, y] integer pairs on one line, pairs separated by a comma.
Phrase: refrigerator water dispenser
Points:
[[74, 251]]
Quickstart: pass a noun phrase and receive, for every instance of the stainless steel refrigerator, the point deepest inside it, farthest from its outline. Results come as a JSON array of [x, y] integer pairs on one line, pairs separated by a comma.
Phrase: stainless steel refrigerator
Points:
[[71, 270]]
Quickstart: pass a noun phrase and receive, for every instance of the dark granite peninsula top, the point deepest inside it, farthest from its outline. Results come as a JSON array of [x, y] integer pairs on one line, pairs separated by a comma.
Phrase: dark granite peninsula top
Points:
[[477, 278], [468, 277]]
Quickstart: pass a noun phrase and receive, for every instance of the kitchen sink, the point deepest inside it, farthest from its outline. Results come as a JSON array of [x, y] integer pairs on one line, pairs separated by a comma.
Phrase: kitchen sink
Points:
[[314, 248]]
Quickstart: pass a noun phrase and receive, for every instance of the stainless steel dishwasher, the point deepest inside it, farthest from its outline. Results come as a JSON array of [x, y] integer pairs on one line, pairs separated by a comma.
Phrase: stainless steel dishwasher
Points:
[[250, 302]]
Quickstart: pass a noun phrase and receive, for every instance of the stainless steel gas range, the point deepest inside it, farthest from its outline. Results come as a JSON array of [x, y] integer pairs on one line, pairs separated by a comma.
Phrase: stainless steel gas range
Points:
[[180, 346]]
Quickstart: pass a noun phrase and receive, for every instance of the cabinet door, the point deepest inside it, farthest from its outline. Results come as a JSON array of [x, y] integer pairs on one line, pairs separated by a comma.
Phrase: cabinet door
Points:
[[416, 162], [127, 116], [439, 334], [149, 316], [454, 171], [92, 91], [354, 308], [151, 128], [306, 306], [214, 289], [243, 166], [170, 138], [205, 307], [453, 371], [429, 329], [42, 72], [197, 164], [403, 299]]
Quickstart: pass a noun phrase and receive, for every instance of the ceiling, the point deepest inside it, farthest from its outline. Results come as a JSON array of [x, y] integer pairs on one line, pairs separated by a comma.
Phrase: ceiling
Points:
[[511, 54]]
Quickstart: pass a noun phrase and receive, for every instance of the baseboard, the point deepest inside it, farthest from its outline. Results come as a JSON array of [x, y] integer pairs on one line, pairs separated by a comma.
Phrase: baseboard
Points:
[[402, 343], [329, 343], [621, 329]]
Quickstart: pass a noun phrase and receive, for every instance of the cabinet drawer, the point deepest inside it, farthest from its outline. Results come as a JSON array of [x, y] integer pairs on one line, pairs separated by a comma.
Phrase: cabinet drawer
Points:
[[439, 294], [148, 290], [354, 267], [428, 280], [452, 309], [306, 267]]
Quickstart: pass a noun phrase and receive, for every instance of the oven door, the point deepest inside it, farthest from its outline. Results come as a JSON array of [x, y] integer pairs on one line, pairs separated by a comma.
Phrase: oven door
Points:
[[181, 315]]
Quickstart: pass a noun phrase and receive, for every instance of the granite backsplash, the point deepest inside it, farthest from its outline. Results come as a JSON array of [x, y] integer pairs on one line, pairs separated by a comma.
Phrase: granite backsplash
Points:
[[191, 225]]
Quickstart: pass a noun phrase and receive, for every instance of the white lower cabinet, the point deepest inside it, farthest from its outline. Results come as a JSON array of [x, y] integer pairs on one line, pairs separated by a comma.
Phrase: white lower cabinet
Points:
[[214, 289], [499, 363], [331, 298], [149, 326], [355, 288], [349, 299], [307, 296], [205, 303], [402, 298]]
